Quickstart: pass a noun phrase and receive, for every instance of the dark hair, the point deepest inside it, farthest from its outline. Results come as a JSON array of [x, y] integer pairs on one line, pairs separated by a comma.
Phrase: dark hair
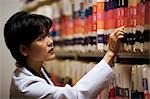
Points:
[[23, 28]]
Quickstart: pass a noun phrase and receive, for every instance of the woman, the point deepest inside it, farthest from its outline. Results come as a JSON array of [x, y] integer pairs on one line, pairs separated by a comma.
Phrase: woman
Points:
[[27, 37]]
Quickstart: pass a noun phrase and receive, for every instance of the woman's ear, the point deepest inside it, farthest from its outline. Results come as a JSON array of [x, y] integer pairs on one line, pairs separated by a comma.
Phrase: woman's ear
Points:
[[24, 50]]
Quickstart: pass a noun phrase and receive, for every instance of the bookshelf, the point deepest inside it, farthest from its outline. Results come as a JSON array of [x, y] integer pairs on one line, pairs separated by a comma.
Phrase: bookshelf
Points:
[[123, 57], [127, 63]]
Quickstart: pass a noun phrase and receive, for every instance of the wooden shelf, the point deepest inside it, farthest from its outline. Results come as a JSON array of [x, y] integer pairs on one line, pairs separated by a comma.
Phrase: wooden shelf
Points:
[[33, 5], [132, 58], [62, 54], [79, 54], [91, 55], [133, 55]]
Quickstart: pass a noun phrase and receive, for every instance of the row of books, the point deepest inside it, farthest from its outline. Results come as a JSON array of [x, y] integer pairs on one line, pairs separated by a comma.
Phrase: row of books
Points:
[[84, 25], [131, 81]]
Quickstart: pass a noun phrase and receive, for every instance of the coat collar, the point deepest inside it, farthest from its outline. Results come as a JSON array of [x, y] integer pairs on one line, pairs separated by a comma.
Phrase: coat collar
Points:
[[29, 73]]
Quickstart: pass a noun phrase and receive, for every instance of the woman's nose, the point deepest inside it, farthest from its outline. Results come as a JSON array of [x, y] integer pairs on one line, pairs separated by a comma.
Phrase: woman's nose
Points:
[[50, 41]]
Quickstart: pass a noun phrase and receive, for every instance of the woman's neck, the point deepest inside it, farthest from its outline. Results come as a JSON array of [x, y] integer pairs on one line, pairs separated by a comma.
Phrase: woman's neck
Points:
[[36, 66]]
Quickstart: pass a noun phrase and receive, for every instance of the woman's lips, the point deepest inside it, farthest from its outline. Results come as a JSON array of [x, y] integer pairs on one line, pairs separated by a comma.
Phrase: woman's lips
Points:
[[51, 51]]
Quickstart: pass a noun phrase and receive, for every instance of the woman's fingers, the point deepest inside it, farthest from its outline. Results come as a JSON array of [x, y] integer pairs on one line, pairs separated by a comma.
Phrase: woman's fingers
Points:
[[118, 30], [120, 36], [114, 40], [117, 34]]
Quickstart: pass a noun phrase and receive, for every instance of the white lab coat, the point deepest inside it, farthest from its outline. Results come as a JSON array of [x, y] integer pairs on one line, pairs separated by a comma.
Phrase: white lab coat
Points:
[[25, 85]]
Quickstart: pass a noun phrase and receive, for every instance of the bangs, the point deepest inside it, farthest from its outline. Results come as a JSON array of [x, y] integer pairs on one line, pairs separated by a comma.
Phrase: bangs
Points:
[[46, 22]]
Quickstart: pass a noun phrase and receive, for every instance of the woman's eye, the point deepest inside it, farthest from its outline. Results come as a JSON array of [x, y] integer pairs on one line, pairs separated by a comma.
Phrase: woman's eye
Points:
[[42, 37]]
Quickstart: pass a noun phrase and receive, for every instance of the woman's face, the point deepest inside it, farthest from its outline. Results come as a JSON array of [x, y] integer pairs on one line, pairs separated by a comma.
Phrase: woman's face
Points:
[[41, 49]]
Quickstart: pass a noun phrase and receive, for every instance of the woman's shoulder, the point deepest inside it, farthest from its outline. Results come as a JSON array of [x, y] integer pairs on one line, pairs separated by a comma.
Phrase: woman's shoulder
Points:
[[22, 73]]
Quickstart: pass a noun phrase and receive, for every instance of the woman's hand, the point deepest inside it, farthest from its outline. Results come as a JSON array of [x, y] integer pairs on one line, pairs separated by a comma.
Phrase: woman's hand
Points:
[[114, 44], [114, 40]]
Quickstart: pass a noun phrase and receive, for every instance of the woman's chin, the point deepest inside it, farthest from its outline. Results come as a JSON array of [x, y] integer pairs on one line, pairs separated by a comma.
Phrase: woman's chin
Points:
[[51, 57]]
